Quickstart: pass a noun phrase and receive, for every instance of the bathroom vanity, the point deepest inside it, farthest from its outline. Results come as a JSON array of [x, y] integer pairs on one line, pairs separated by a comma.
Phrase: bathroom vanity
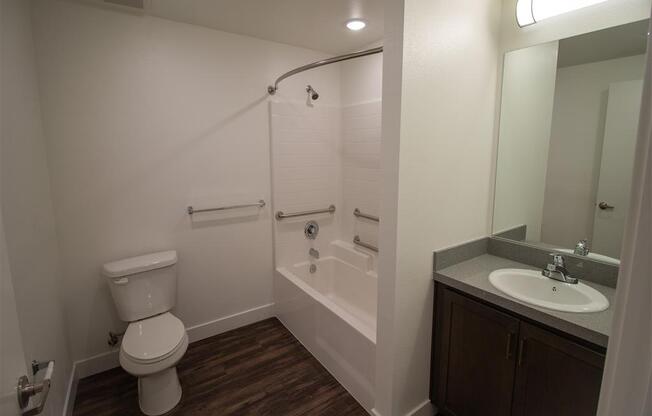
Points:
[[522, 318], [495, 355]]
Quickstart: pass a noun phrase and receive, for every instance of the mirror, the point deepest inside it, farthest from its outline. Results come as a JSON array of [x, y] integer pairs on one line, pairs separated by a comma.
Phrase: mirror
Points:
[[568, 122]]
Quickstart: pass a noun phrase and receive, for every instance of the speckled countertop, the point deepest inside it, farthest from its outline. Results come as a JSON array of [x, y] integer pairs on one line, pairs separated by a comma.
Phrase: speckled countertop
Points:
[[472, 277]]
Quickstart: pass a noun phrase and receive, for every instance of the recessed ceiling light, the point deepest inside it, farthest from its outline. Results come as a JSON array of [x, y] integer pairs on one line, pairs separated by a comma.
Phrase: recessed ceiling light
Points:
[[356, 24]]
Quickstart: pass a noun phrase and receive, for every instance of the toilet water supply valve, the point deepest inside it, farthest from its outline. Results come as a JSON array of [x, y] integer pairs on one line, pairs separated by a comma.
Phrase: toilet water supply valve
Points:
[[114, 338]]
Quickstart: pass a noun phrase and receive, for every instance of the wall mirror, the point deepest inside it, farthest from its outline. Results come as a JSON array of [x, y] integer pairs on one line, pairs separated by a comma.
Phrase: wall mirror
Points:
[[568, 123]]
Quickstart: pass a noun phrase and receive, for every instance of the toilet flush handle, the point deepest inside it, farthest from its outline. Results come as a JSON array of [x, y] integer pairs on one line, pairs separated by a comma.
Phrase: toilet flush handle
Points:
[[122, 281]]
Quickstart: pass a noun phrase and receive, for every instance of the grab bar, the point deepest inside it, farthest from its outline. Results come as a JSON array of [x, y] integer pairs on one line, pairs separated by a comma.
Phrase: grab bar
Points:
[[361, 214], [280, 215], [191, 210], [356, 240]]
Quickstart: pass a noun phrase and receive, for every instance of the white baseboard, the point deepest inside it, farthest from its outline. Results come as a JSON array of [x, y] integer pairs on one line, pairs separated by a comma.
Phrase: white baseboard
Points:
[[110, 359], [227, 323], [424, 409]]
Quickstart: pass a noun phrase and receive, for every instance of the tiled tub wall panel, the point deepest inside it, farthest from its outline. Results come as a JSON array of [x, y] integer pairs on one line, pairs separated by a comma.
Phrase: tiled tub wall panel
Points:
[[361, 185], [305, 175]]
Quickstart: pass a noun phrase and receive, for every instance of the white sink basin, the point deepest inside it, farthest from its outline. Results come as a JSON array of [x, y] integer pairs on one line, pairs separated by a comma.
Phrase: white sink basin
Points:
[[532, 287]]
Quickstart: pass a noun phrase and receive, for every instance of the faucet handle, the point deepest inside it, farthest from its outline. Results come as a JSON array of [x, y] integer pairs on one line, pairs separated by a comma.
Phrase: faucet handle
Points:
[[558, 260]]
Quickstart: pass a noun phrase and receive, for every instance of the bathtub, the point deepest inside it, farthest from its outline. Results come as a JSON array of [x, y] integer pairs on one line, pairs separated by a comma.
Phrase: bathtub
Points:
[[332, 312]]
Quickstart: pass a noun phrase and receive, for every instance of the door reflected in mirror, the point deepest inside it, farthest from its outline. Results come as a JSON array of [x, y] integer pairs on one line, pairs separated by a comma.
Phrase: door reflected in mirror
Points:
[[568, 125]]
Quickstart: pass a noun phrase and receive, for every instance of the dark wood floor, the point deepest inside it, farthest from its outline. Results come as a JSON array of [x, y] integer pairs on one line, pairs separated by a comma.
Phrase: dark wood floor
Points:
[[260, 369]]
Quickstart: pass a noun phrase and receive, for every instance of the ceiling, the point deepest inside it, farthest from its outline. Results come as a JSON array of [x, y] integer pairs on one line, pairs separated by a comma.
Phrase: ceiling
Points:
[[615, 42], [313, 24]]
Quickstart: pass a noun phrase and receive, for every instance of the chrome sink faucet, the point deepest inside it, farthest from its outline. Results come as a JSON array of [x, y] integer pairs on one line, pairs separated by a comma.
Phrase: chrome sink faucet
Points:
[[313, 253], [582, 248], [557, 270]]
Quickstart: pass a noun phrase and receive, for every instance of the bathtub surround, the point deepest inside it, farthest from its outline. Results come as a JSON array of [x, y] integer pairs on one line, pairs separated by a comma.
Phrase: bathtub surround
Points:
[[321, 155], [154, 116], [332, 312]]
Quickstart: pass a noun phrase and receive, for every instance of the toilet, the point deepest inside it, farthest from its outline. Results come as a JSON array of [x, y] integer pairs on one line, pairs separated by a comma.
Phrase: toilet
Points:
[[144, 290]]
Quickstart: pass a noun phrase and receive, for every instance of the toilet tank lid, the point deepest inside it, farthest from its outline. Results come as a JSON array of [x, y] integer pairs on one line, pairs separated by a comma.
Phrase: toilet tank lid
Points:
[[133, 265]]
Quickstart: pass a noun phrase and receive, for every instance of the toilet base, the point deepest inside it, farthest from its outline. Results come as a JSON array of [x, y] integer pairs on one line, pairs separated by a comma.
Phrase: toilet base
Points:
[[159, 393]]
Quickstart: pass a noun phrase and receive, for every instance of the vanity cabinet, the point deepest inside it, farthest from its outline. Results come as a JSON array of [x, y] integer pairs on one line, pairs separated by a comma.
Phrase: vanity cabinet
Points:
[[492, 363]]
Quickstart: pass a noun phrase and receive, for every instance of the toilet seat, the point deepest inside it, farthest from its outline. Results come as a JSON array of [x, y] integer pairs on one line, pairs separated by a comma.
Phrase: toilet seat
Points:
[[153, 339]]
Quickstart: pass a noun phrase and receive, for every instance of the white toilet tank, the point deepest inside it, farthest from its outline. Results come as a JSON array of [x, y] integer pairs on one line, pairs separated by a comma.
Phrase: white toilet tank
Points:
[[143, 286]]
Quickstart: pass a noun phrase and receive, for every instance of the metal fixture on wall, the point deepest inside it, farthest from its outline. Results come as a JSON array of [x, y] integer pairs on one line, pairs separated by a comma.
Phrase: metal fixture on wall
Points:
[[191, 210], [312, 94], [361, 214], [280, 215], [311, 230], [357, 241], [114, 338], [271, 90]]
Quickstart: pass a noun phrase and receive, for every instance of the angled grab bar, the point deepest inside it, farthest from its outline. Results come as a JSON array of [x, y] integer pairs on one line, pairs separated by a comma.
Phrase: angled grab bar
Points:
[[357, 241], [361, 214]]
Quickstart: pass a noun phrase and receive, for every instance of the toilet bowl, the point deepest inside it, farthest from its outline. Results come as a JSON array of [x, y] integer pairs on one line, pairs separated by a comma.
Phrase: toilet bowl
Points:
[[150, 350], [144, 291]]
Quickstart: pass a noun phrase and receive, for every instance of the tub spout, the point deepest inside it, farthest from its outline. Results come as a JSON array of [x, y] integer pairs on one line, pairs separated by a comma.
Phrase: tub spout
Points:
[[313, 253]]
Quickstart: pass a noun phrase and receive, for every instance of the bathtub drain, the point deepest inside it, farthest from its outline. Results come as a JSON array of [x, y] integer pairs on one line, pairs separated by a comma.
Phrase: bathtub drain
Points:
[[313, 268]]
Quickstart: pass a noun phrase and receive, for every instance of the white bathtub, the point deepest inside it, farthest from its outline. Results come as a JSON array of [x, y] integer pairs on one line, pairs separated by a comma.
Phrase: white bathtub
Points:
[[333, 313]]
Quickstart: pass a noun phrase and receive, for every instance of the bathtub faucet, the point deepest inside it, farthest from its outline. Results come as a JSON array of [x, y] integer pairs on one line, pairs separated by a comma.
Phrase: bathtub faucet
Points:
[[313, 253]]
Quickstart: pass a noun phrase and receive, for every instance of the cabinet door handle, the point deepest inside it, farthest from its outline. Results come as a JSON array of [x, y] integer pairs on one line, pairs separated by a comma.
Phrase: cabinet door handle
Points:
[[521, 351], [508, 349]]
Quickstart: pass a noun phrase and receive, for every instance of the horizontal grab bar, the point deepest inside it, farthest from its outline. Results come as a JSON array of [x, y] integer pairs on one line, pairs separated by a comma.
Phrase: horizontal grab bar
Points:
[[259, 204], [361, 214], [356, 240], [281, 215]]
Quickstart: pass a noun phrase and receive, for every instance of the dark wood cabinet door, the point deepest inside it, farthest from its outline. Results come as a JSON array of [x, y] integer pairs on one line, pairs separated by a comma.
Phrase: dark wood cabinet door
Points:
[[477, 358], [555, 376]]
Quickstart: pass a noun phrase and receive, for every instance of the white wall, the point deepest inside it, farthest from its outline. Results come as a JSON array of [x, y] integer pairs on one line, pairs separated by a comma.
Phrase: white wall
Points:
[[528, 91], [144, 116], [362, 79], [449, 78], [27, 214], [576, 146]]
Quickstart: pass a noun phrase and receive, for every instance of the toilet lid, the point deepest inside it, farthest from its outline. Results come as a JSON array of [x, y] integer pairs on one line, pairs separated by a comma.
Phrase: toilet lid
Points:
[[153, 338]]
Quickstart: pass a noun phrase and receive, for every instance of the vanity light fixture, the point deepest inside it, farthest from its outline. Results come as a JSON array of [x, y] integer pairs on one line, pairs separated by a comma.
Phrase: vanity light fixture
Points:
[[356, 24], [529, 12]]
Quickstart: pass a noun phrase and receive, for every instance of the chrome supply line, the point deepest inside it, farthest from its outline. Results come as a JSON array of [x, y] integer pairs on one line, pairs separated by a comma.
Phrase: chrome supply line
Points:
[[191, 210], [272, 89], [361, 214], [280, 215], [357, 241]]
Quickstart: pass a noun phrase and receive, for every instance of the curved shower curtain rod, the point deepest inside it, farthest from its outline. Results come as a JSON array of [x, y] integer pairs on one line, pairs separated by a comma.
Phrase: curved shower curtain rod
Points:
[[272, 89]]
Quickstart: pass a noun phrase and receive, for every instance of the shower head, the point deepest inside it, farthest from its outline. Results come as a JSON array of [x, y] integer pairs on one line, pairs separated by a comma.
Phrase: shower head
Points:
[[312, 93]]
